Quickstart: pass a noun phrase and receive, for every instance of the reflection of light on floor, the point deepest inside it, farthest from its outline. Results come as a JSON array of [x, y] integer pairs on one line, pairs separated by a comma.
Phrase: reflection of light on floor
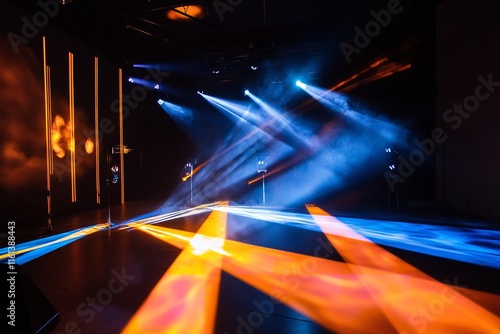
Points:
[[471, 244], [326, 291], [31, 250], [411, 300], [156, 217], [468, 242], [185, 298]]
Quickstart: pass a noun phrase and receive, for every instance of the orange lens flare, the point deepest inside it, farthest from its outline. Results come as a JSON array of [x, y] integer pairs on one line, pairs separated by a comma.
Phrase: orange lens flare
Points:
[[410, 299]]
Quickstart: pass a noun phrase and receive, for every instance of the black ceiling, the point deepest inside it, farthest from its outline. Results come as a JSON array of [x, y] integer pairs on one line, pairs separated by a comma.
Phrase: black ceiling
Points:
[[234, 34]]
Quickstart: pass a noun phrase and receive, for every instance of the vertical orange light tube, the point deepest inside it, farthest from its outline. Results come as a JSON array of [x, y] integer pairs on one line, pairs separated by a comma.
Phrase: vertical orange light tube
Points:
[[48, 127], [72, 123], [96, 117], [49, 123], [122, 163]]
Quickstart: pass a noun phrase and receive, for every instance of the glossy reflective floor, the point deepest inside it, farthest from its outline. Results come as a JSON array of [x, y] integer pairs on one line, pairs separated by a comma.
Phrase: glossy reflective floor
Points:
[[223, 268]]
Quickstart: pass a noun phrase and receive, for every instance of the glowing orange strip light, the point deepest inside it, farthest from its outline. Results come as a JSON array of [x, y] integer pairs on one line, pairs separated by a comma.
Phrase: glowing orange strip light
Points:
[[48, 127], [185, 298], [96, 127], [122, 162], [49, 110], [72, 122], [411, 300]]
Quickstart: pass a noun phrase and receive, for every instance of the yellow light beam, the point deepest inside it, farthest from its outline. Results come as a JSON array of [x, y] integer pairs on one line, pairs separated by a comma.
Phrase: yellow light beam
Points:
[[411, 300], [185, 298], [77, 234]]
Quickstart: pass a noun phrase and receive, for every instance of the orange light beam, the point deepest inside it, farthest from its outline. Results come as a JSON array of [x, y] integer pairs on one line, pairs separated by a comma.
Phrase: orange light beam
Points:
[[387, 71], [411, 300], [325, 291], [185, 298]]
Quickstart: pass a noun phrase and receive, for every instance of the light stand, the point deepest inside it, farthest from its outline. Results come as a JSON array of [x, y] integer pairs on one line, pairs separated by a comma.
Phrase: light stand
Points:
[[392, 175], [262, 168], [112, 177], [190, 165]]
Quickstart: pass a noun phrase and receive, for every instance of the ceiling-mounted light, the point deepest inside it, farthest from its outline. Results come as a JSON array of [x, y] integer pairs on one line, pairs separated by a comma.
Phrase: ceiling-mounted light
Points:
[[300, 84], [185, 12]]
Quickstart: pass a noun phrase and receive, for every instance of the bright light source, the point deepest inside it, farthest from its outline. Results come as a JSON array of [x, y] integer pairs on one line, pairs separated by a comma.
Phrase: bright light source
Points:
[[300, 84], [185, 13], [253, 67], [247, 92], [160, 102], [215, 71], [130, 79], [157, 86], [200, 92]]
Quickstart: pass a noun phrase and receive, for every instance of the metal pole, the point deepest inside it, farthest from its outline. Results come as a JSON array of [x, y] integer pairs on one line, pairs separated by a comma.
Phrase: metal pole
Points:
[[397, 197], [263, 189], [191, 177]]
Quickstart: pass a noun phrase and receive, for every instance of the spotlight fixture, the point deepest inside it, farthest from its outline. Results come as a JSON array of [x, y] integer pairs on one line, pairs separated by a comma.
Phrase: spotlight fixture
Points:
[[247, 92], [157, 86], [200, 92], [215, 71], [300, 84], [254, 67], [115, 175], [130, 79]]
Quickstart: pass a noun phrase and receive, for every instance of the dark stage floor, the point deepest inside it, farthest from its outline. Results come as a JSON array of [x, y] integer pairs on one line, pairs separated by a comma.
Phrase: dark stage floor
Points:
[[232, 269]]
